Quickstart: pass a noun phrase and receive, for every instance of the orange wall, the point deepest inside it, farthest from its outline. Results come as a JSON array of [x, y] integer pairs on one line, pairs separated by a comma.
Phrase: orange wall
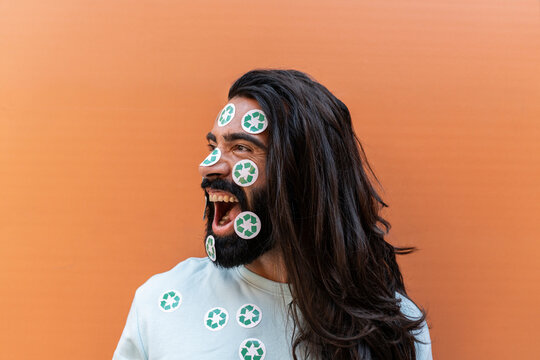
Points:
[[103, 110]]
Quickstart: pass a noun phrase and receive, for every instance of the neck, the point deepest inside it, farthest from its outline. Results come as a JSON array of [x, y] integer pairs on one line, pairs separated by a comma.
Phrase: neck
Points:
[[270, 265]]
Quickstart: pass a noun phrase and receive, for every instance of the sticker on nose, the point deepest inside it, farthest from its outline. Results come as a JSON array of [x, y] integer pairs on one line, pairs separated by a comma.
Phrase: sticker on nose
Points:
[[254, 122], [245, 172], [247, 225], [226, 115], [211, 247], [212, 158]]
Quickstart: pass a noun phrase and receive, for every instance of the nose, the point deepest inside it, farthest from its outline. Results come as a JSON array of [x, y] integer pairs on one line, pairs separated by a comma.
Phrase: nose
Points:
[[221, 169]]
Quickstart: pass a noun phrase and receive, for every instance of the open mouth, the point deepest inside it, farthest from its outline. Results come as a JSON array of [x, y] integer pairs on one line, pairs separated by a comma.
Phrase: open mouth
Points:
[[226, 209]]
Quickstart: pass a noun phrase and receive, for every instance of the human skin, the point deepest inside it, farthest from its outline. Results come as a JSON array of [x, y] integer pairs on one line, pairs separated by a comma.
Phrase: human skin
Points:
[[235, 145]]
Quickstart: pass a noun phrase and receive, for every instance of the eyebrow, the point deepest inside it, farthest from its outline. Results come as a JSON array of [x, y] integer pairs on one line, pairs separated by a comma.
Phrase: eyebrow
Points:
[[238, 136]]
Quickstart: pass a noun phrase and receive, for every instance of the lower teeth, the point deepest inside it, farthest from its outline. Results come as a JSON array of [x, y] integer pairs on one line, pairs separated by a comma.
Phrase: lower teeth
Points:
[[224, 218]]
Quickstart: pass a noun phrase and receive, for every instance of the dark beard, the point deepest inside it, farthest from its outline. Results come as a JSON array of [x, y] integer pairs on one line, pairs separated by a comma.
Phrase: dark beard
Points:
[[232, 250]]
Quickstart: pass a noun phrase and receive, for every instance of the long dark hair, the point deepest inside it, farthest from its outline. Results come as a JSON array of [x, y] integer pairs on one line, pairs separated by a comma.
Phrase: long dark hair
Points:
[[327, 225]]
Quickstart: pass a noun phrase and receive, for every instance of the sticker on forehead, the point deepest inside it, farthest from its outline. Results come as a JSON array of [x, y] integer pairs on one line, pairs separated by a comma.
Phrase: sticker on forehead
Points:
[[211, 247], [247, 225], [212, 158], [245, 173], [226, 115], [254, 122]]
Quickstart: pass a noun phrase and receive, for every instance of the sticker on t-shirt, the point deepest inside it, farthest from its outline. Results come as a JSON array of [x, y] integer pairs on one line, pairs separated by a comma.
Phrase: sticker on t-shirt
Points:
[[252, 349], [249, 315], [170, 300], [216, 319]]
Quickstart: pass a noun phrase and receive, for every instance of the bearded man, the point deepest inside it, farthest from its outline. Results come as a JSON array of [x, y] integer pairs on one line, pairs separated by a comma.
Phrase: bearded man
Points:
[[297, 267]]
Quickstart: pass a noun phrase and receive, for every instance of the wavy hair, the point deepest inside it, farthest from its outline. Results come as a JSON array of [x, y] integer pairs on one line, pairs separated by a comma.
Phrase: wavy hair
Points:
[[326, 223]]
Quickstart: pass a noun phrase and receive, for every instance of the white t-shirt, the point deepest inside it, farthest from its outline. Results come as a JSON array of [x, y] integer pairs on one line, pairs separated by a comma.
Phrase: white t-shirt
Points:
[[199, 311]]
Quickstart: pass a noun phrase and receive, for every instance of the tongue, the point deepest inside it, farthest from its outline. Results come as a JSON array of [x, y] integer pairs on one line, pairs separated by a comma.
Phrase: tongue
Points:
[[225, 218]]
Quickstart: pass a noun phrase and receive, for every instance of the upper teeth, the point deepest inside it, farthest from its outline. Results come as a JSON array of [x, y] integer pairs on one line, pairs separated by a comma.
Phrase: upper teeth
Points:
[[223, 198]]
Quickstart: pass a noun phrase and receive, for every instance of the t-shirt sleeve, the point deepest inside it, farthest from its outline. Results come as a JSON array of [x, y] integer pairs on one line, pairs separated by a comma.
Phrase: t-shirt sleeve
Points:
[[423, 343], [130, 346]]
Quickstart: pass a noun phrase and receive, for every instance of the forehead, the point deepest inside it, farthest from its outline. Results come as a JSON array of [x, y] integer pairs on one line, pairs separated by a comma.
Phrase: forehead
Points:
[[242, 105]]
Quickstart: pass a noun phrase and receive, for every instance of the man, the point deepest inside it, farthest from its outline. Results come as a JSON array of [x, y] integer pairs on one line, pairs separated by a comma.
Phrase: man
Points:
[[297, 264]]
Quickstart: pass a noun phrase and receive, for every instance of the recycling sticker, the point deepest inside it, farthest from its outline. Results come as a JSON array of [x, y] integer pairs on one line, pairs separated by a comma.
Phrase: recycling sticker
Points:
[[216, 319], [170, 300], [212, 158], [252, 349], [249, 315], [226, 115], [211, 247], [254, 122], [247, 225], [245, 172]]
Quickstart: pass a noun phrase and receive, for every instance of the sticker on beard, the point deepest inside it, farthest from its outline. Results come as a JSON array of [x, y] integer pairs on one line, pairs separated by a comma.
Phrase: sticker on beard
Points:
[[226, 115], [247, 225], [213, 158], [254, 122], [245, 173], [211, 247]]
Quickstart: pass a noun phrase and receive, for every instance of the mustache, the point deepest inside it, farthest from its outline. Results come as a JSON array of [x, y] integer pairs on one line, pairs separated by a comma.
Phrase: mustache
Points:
[[221, 184]]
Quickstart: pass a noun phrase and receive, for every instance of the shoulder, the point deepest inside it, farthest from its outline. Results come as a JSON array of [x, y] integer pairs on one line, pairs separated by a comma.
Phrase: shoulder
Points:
[[408, 308], [423, 340], [183, 276]]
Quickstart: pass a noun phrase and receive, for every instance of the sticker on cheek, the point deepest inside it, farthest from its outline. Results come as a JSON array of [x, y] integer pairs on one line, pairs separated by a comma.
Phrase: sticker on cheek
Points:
[[226, 115], [245, 172], [254, 122], [212, 158], [211, 247], [247, 225]]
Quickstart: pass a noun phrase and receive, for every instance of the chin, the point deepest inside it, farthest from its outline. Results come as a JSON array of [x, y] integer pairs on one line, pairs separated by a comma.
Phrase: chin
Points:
[[233, 251]]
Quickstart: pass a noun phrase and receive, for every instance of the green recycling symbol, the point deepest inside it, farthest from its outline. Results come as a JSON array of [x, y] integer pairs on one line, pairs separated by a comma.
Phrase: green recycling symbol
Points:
[[216, 319], [252, 349], [210, 247], [170, 300], [247, 225], [245, 172], [212, 158], [226, 115], [249, 315], [254, 122]]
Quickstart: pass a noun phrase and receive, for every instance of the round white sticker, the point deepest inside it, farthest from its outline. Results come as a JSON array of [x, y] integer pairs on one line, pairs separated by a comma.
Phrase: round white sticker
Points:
[[245, 172], [254, 122], [247, 225]]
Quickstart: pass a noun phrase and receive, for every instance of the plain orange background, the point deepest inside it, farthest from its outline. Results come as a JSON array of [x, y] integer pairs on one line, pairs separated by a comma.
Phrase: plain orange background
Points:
[[104, 106]]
